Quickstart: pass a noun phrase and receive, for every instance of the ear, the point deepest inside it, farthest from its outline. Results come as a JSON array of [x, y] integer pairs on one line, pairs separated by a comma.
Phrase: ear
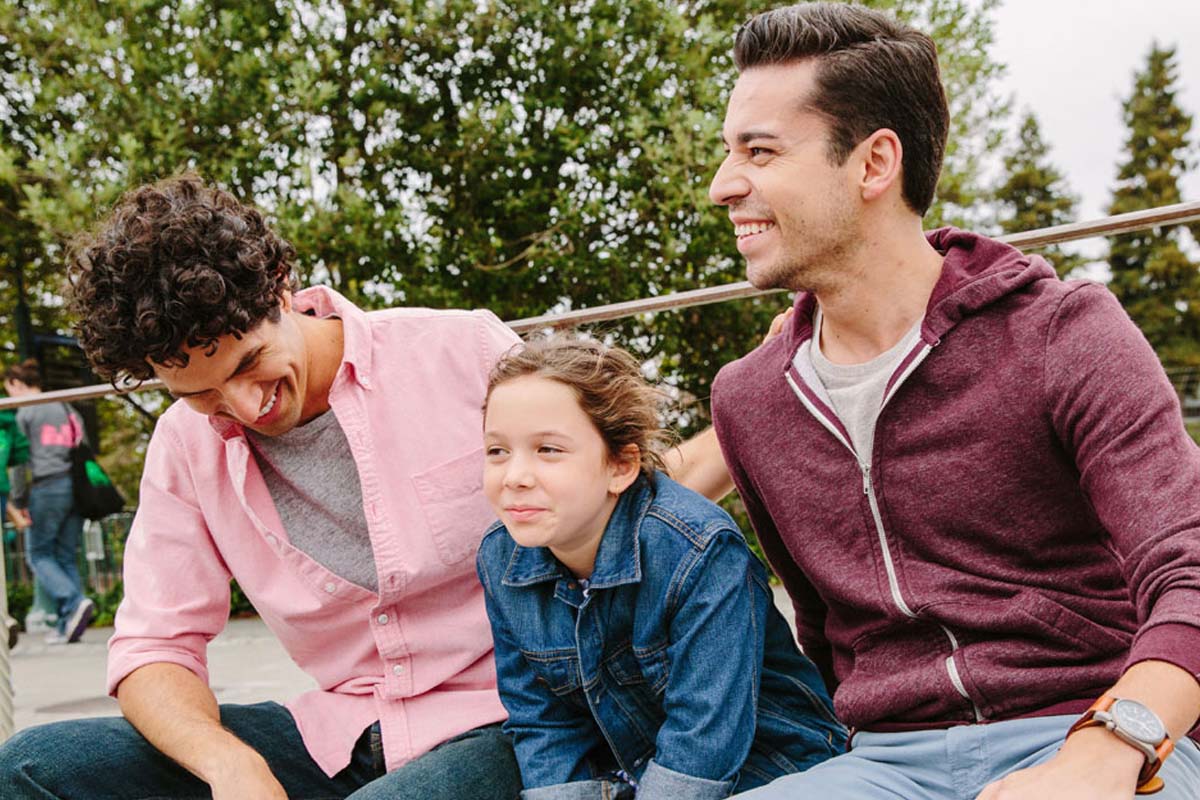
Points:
[[881, 158], [285, 301], [624, 469]]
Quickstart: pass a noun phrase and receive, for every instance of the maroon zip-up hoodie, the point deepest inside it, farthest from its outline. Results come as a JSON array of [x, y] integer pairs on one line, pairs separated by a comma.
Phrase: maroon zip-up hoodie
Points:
[[1027, 527]]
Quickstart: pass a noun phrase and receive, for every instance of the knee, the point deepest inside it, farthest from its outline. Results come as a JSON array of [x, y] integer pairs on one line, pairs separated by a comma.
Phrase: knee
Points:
[[36, 762], [21, 758]]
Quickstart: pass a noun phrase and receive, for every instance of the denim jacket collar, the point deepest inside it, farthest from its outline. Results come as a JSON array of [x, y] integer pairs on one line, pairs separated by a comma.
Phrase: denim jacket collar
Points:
[[618, 561]]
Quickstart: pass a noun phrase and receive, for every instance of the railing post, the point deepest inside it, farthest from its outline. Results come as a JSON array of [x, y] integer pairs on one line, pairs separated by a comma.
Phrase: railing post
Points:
[[7, 723]]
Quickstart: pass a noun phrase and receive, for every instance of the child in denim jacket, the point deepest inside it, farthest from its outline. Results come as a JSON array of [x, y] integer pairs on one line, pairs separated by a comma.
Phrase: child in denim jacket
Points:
[[637, 647]]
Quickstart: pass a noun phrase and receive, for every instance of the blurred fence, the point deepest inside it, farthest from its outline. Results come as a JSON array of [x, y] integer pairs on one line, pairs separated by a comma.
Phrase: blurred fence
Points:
[[100, 554]]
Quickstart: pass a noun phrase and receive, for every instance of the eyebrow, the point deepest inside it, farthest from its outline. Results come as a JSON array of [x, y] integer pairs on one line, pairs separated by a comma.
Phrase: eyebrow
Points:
[[246, 363], [745, 137]]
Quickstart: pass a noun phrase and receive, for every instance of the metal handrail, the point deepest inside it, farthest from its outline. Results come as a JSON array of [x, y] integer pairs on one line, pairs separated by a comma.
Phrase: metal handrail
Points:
[[1176, 214]]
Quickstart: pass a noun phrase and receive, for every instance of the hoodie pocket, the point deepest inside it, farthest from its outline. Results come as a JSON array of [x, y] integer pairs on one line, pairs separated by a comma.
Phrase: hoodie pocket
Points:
[[451, 497]]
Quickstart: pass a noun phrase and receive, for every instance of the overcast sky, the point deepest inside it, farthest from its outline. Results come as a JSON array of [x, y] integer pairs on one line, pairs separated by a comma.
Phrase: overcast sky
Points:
[[1072, 62]]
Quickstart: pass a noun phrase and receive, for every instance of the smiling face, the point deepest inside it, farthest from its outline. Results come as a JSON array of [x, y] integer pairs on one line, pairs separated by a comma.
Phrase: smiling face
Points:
[[261, 380], [794, 212], [548, 473]]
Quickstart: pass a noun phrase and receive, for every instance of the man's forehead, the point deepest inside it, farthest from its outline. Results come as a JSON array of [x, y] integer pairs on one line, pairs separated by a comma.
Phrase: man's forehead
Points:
[[770, 100], [204, 363]]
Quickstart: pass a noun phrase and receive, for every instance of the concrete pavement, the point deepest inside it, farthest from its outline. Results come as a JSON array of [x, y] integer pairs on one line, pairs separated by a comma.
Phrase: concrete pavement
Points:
[[246, 665]]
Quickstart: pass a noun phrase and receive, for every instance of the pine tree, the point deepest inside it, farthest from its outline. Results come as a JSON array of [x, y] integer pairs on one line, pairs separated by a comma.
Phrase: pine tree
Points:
[[1152, 274], [1035, 194]]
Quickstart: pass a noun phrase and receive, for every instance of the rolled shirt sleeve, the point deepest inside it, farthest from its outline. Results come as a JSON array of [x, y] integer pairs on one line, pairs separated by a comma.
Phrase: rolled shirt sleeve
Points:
[[176, 584]]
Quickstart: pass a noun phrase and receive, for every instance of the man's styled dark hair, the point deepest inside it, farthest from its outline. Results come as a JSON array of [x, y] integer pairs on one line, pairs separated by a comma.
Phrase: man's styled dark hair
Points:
[[176, 264], [872, 72]]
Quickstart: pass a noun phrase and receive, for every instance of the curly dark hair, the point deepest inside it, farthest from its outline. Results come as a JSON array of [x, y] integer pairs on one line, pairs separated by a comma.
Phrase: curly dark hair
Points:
[[175, 264]]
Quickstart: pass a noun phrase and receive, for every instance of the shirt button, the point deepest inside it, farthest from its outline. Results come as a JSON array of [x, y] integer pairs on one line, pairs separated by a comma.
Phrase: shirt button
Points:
[[382, 619], [272, 539], [398, 669], [330, 587]]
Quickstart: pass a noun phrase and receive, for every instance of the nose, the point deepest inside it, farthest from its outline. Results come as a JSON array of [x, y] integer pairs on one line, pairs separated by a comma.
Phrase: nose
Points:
[[242, 400], [518, 473], [728, 184]]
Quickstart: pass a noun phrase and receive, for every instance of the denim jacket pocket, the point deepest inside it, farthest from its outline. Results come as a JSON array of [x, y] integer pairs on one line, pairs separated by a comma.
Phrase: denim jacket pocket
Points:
[[557, 669], [631, 666], [451, 497]]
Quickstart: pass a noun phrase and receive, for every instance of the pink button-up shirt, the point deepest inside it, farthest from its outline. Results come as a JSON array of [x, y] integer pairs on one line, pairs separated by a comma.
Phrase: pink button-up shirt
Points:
[[417, 656]]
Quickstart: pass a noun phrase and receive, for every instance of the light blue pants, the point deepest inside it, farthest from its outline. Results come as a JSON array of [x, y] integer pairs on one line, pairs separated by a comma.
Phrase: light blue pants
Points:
[[953, 764]]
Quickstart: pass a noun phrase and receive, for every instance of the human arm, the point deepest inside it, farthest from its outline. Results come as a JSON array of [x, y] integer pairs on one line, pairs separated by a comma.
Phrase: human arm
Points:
[[176, 600], [178, 714], [1093, 763], [1118, 418], [715, 659], [698, 465], [554, 739]]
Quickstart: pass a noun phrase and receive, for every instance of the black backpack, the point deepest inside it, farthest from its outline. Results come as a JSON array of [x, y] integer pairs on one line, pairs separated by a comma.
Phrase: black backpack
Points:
[[95, 495]]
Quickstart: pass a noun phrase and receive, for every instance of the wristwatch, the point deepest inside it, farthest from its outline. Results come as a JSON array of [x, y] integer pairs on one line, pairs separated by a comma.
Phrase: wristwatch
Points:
[[1137, 726]]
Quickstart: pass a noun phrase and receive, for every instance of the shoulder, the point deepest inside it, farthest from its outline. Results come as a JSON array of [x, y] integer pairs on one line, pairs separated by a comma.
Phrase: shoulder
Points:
[[475, 338], [684, 518], [460, 325]]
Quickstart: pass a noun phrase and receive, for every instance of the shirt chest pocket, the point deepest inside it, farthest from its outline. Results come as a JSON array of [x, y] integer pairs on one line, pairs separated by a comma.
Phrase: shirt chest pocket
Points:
[[451, 497]]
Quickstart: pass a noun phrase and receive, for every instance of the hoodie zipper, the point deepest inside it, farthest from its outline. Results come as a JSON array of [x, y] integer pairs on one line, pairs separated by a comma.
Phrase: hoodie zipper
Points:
[[909, 364]]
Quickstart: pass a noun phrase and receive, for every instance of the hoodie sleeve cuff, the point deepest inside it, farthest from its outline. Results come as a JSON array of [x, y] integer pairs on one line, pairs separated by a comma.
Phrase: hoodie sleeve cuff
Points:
[[660, 783], [1173, 642]]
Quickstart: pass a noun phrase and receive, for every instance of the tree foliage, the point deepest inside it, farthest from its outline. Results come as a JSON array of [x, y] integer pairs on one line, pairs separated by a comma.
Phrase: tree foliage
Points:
[[511, 154], [1035, 194], [1152, 274]]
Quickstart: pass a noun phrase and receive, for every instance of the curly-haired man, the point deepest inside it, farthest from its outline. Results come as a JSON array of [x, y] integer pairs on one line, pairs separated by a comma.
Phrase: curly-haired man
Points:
[[972, 477], [327, 459]]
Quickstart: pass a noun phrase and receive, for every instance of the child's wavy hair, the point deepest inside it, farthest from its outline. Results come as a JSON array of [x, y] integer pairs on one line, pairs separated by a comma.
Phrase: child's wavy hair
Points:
[[610, 387]]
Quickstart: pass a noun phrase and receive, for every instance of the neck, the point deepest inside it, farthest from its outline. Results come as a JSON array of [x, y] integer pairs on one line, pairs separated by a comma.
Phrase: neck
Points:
[[580, 557], [885, 290], [324, 346]]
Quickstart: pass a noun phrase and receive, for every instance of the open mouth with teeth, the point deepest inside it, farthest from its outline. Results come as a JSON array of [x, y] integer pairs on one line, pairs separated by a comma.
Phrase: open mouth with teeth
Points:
[[752, 228], [270, 406]]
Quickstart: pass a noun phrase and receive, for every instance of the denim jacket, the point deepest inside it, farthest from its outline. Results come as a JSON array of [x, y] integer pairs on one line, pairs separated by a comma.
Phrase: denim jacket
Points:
[[669, 670]]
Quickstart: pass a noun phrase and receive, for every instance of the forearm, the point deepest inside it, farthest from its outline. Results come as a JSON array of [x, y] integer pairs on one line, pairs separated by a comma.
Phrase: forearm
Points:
[[178, 714], [1170, 692], [699, 465]]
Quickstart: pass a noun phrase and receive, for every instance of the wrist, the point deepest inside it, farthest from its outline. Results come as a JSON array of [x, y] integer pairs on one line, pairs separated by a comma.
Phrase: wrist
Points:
[[1104, 753], [226, 759]]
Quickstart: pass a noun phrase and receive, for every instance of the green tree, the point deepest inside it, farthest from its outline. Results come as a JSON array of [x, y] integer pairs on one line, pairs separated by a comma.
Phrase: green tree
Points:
[[1152, 274], [1035, 194], [511, 154]]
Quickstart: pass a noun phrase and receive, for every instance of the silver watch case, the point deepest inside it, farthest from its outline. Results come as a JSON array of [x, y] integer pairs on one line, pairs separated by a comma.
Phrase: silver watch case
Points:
[[1135, 724]]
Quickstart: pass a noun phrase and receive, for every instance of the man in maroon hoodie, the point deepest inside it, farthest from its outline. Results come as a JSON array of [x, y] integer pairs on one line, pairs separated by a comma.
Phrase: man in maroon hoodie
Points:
[[972, 477]]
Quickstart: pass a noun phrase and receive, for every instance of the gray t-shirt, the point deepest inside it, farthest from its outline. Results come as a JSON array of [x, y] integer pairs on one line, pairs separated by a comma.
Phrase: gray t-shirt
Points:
[[313, 480], [856, 390]]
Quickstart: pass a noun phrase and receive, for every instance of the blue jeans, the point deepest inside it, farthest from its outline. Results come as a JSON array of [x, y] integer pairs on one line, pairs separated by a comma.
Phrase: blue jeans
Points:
[[52, 543], [954, 764], [106, 759]]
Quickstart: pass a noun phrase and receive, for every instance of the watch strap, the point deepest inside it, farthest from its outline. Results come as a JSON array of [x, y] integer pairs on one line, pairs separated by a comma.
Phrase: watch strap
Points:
[[1148, 781]]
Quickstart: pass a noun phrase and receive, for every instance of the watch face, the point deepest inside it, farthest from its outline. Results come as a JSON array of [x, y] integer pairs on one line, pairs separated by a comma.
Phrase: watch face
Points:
[[1138, 721]]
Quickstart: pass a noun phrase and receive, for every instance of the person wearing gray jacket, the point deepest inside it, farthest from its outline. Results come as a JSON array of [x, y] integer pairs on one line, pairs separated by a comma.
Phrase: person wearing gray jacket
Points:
[[48, 504]]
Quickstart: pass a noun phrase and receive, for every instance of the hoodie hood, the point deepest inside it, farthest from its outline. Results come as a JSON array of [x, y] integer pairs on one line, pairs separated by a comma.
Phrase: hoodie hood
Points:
[[976, 272]]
